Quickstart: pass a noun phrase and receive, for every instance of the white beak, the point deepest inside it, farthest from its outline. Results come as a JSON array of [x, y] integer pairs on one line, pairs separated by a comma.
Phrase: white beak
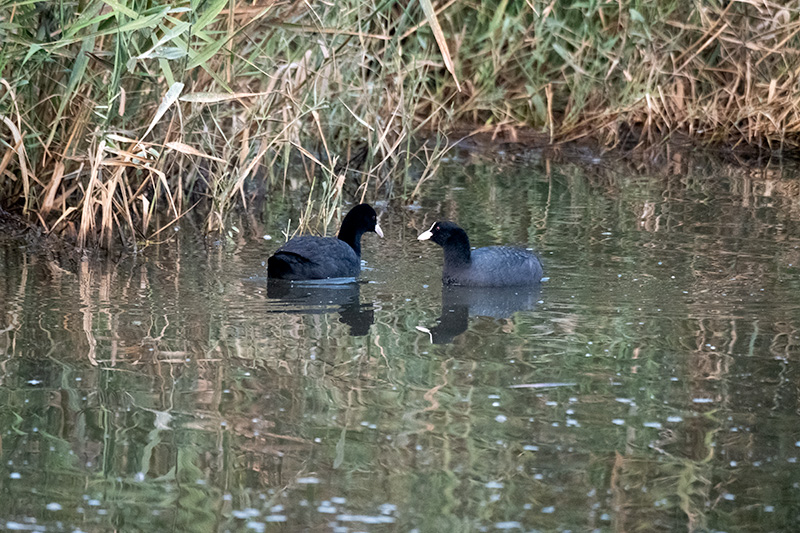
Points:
[[426, 235], [378, 230]]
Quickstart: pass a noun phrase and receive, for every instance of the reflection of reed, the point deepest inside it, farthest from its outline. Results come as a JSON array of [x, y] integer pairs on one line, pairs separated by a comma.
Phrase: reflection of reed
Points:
[[88, 309]]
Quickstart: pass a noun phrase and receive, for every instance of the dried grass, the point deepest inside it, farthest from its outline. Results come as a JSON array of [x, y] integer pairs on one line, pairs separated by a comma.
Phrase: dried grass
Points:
[[111, 115]]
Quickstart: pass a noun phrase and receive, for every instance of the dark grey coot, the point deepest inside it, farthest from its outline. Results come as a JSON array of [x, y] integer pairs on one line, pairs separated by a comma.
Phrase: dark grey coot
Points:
[[311, 257], [492, 266]]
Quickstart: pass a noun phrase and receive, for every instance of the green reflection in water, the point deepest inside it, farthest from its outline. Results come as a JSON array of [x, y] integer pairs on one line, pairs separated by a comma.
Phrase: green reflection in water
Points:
[[649, 385]]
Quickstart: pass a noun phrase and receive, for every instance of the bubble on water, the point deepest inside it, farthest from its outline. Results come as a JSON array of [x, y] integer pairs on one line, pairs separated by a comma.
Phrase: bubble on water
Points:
[[365, 519], [326, 508], [259, 527], [508, 525], [388, 508]]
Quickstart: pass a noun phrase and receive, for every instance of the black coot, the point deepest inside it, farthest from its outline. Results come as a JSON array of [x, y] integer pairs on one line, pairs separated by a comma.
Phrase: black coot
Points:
[[493, 266], [310, 257]]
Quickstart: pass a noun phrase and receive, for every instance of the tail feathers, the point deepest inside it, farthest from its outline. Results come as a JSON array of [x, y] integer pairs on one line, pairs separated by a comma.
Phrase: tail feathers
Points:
[[284, 265]]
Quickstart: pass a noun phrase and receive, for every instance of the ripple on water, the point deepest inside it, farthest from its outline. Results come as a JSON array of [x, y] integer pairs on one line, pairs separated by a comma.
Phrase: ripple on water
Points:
[[179, 370]]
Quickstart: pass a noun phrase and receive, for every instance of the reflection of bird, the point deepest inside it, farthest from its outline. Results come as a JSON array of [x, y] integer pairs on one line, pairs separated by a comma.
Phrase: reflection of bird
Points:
[[460, 303], [311, 257], [321, 298], [492, 266]]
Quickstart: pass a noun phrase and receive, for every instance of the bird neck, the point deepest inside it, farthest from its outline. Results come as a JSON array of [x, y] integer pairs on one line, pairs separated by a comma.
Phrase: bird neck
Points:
[[457, 253], [352, 237]]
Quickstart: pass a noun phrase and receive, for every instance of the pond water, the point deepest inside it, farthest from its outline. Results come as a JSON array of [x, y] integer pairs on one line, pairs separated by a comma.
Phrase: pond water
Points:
[[649, 384]]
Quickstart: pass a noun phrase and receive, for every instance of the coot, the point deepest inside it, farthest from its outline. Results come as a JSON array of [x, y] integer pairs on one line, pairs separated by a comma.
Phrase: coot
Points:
[[310, 257], [493, 266]]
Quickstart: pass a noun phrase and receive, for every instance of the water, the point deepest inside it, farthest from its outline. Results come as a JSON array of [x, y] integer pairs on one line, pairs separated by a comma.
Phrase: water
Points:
[[649, 384]]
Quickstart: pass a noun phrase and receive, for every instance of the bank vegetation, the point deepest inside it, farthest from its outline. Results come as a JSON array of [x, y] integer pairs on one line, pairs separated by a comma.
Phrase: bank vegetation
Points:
[[119, 117]]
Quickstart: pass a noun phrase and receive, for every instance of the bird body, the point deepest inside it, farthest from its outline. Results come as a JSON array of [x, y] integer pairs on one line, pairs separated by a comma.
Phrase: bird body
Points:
[[492, 266], [310, 257], [495, 266]]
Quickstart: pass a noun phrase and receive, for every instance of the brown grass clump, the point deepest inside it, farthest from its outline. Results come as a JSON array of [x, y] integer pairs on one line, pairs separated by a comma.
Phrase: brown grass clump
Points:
[[113, 115]]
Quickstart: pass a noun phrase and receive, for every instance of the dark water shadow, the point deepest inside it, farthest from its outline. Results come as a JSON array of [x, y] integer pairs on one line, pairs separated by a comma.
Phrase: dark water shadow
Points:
[[461, 303], [321, 297]]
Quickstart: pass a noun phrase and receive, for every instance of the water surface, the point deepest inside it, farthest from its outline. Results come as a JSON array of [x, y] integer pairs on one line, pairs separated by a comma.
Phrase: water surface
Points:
[[648, 384]]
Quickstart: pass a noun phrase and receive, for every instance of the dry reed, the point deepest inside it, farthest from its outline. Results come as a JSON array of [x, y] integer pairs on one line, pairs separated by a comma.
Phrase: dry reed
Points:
[[114, 111]]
